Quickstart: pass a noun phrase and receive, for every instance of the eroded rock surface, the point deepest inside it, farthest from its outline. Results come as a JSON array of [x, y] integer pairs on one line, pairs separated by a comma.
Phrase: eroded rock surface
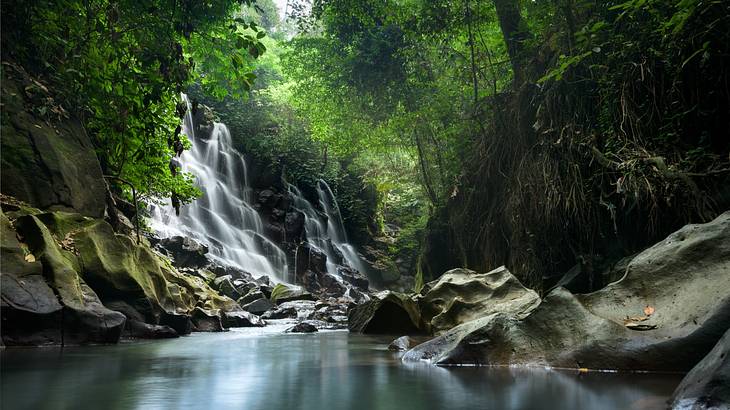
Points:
[[683, 279]]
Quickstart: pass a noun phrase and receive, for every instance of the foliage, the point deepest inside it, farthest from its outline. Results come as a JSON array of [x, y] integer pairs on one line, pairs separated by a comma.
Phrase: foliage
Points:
[[120, 65]]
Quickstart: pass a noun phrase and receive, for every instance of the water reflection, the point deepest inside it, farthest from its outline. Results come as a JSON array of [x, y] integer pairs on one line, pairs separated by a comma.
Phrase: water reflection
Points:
[[264, 369]]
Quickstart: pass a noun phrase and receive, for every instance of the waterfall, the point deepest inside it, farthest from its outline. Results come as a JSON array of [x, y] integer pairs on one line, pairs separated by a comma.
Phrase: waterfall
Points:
[[329, 237], [222, 217]]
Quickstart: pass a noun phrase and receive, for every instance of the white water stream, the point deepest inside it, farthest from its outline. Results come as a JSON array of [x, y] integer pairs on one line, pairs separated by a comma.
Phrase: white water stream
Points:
[[222, 217]]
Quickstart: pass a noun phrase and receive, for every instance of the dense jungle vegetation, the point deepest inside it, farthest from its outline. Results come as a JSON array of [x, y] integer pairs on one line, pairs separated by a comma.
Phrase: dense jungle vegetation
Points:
[[540, 134]]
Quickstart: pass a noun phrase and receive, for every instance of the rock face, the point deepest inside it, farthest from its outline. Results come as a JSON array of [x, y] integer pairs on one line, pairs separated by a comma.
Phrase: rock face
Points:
[[70, 278], [387, 313], [66, 312], [48, 160], [707, 386], [683, 279], [461, 295]]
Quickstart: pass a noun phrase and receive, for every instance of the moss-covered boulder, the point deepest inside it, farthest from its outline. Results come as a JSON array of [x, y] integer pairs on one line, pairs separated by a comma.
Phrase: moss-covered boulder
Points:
[[68, 267], [287, 293], [83, 317]]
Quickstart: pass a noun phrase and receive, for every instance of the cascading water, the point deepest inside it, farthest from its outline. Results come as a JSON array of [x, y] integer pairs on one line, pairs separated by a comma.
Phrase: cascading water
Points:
[[222, 217], [329, 237]]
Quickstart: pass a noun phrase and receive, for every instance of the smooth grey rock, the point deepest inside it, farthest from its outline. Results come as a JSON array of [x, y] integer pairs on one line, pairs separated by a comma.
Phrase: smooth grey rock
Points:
[[685, 278], [462, 295], [259, 306], [400, 344], [707, 385]]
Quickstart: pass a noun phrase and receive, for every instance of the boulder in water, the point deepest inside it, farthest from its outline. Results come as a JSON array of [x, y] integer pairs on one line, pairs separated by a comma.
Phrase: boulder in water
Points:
[[302, 327], [141, 330], [205, 321], [707, 385], [677, 291], [386, 313], [258, 306], [401, 344], [241, 319]]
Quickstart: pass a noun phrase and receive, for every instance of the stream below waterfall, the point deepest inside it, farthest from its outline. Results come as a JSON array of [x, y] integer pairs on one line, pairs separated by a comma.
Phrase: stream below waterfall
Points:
[[263, 368]]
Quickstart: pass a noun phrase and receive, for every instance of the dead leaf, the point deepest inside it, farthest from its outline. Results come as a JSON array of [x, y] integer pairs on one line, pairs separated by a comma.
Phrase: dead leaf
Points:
[[30, 258], [649, 310], [640, 326]]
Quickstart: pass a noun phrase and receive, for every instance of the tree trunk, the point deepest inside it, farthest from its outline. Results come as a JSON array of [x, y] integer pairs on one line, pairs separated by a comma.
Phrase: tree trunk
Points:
[[515, 34]]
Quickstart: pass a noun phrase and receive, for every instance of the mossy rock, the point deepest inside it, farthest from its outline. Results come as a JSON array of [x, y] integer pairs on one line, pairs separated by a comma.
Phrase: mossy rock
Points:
[[287, 293], [85, 319]]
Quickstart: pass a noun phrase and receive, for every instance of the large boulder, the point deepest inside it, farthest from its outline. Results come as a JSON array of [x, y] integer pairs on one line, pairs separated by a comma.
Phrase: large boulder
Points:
[[666, 313], [29, 314], [48, 160], [387, 313], [461, 295], [707, 386], [241, 319]]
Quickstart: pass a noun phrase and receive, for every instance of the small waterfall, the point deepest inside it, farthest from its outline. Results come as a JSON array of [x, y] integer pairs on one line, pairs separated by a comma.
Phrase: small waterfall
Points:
[[336, 228], [222, 217], [329, 237]]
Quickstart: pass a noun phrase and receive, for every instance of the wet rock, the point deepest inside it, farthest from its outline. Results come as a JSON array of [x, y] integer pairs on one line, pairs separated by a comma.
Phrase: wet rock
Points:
[[84, 318], [241, 319], [185, 252], [141, 330], [287, 293], [233, 272], [302, 327], [298, 309], [258, 306], [355, 296], [683, 279], [386, 313], [204, 321], [462, 295], [204, 122], [252, 295], [225, 287], [707, 385], [294, 224], [353, 277], [182, 324], [311, 259], [401, 344]]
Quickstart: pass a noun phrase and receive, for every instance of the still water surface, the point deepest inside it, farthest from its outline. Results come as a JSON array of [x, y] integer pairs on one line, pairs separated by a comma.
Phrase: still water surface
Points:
[[265, 369]]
